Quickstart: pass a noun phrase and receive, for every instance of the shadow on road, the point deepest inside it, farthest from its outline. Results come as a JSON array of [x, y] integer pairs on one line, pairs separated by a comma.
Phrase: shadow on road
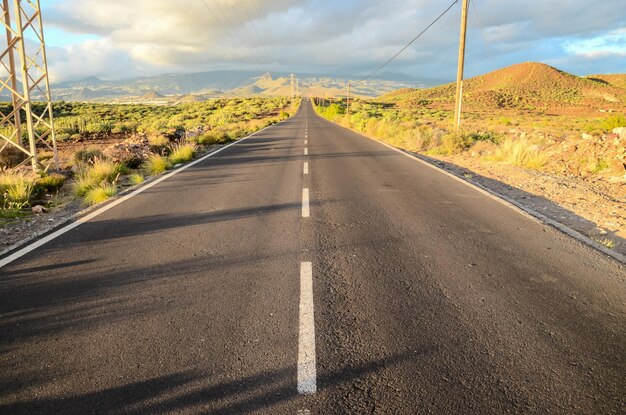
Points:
[[193, 391]]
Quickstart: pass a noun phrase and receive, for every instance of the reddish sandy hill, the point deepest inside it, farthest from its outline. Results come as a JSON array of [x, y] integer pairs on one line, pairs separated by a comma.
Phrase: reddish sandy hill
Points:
[[618, 79], [529, 86], [151, 95]]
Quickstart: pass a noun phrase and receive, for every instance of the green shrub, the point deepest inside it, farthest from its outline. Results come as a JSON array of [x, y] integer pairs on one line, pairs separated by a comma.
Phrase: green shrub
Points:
[[62, 137], [182, 152], [99, 127], [50, 183], [155, 164], [614, 121]]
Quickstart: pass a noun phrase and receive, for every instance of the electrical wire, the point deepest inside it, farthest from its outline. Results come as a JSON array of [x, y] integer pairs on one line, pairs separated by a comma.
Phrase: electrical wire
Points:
[[249, 45], [219, 21], [408, 44]]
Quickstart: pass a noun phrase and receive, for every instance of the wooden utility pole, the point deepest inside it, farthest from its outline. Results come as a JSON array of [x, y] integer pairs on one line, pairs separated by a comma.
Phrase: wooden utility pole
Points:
[[459, 72], [348, 100]]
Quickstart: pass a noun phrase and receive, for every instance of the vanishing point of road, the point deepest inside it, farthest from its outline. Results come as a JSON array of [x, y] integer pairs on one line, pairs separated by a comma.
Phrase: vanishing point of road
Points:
[[310, 270]]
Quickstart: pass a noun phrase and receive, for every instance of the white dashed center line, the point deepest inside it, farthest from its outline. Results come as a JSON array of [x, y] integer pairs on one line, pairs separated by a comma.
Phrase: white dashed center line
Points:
[[307, 372], [305, 202]]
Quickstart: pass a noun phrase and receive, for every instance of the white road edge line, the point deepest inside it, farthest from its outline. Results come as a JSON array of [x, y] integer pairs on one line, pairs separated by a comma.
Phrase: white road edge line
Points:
[[305, 203], [306, 141], [305, 168], [307, 372], [306, 151], [505, 201], [21, 252]]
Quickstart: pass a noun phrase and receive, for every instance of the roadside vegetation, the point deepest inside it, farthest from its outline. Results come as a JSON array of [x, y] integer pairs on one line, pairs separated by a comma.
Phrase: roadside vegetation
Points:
[[104, 148]]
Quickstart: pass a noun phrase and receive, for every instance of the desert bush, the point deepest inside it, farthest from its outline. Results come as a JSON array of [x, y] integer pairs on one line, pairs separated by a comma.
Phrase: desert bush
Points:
[[50, 183], [182, 152], [598, 166], [614, 121], [155, 164], [62, 137], [157, 140], [521, 153], [212, 137], [87, 155]]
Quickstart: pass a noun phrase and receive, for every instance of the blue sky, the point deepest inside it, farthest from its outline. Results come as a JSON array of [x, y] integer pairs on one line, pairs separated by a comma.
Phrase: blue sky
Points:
[[116, 39]]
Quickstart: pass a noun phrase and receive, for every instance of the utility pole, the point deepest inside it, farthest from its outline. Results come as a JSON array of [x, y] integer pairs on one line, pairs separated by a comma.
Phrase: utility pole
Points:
[[22, 20], [297, 87], [459, 72], [348, 100]]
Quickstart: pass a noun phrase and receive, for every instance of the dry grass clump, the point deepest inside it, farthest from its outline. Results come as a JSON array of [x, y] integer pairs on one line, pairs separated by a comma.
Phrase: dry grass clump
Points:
[[136, 178], [155, 164], [608, 242], [16, 189], [521, 153], [182, 152], [100, 193], [96, 174]]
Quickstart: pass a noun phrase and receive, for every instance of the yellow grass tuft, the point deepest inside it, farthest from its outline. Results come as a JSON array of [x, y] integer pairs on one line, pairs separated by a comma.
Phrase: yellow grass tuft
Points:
[[155, 164], [100, 193], [182, 152], [521, 153]]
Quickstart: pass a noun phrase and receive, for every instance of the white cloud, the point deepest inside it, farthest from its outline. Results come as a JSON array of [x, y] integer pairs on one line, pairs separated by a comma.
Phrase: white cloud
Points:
[[148, 36], [611, 44]]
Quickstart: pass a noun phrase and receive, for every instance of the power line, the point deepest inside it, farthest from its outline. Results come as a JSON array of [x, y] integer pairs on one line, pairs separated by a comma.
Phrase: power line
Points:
[[219, 21], [245, 28], [263, 44], [408, 44], [268, 32]]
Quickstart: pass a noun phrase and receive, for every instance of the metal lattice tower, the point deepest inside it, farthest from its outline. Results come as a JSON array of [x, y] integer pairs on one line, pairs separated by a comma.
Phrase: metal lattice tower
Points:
[[24, 76]]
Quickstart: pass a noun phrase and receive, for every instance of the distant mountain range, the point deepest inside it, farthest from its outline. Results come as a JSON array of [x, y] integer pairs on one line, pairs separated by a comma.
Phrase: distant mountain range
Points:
[[204, 85]]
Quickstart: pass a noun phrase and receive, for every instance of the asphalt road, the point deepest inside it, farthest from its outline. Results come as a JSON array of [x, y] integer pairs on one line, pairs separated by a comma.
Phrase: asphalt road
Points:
[[425, 295]]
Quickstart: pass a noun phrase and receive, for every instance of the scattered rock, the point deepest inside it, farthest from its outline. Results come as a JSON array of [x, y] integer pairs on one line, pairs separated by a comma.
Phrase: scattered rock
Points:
[[586, 136], [39, 209], [621, 131], [129, 153]]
